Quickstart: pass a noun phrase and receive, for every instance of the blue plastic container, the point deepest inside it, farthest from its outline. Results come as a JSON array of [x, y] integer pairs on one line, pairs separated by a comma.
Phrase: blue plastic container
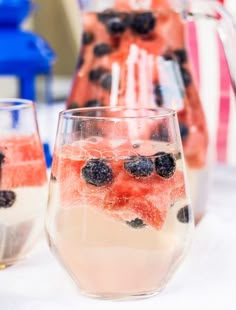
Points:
[[23, 55], [13, 12]]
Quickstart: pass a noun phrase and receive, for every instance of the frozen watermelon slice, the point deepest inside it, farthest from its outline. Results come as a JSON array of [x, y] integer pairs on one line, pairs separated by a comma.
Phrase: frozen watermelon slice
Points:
[[149, 199], [23, 163]]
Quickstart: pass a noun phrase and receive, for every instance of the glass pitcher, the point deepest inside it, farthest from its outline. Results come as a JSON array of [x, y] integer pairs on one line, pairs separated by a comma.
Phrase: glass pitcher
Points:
[[135, 53]]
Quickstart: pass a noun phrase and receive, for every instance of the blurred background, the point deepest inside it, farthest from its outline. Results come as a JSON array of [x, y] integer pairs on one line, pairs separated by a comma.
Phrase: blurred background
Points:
[[59, 24]]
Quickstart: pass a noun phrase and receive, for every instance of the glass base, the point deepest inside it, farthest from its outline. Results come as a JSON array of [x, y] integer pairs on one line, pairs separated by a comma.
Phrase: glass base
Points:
[[121, 296]]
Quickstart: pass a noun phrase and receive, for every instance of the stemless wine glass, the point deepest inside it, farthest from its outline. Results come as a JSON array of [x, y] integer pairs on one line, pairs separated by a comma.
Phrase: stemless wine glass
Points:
[[23, 180], [119, 217]]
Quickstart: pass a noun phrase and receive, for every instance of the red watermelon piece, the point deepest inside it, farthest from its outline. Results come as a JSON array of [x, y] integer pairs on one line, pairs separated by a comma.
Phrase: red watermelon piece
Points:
[[24, 163], [148, 198]]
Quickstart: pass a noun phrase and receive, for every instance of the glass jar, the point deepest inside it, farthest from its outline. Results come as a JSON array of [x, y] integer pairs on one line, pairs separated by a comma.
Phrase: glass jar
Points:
[[136, 53]]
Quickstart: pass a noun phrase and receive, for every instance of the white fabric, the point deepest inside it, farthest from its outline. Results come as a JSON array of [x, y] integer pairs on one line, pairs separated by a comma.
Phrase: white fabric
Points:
[[207, 280]]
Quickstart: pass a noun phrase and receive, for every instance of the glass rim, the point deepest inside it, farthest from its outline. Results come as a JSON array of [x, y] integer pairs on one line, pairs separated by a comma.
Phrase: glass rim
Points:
[[13, 104], [162, 113]]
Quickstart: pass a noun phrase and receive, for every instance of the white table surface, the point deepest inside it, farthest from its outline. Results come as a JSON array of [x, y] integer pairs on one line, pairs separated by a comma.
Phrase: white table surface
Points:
[[207, 279]]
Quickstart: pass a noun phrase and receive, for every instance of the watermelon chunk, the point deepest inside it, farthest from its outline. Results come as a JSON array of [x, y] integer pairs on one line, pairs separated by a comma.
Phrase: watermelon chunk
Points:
[[24, 163], [148, 198]]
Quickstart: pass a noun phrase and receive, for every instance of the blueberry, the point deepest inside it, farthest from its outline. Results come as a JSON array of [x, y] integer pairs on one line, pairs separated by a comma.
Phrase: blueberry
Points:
[[159, 101], [93, 103], [186, 77], [73, 105], [143, 23], [95, 74], [106, 81], [181, 56], [105, 16], [167, 56], [80, 63], [183, 215], [139, 167], [184, 131], [136, 223], [158, 95], [109, 16], [116, 26], [102, 49], [2, 158], [165, 164], [96, 172], [53, 178], [7, 199], [158, 90], [87, 37]]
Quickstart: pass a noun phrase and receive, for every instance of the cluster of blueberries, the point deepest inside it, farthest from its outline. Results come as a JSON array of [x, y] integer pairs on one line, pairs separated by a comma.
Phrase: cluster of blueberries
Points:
[[142, 24], [98, 173], [102, 76], [7, 198]]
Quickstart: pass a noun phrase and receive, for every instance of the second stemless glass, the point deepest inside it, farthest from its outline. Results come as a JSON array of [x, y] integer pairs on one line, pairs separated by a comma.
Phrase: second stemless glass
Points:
[[23, 181], [119, 217]]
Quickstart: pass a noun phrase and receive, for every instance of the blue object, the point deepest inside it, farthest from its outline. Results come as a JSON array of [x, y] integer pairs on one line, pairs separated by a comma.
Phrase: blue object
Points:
[[47, 155], [13, 12], [23, 54]]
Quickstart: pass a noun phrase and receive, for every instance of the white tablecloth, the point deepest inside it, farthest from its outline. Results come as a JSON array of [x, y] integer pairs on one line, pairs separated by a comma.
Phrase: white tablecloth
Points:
[[207, 279]]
